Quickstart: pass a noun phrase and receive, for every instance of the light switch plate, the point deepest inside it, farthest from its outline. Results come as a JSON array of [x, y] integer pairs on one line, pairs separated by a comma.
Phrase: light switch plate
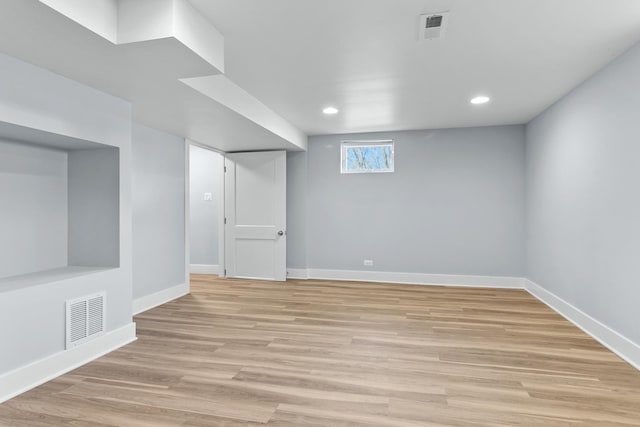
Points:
[[208, 197]]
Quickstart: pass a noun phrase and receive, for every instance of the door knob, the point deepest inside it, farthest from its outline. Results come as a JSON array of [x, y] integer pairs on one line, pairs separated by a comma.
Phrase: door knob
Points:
[[280, 233]]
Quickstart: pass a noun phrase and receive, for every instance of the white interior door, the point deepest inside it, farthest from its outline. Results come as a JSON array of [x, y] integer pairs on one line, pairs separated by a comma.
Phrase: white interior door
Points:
[[255, 213]]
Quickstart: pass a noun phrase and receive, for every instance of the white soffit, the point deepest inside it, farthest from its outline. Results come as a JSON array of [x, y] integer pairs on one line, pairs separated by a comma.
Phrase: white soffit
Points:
[[131, 21], [229, 94], [99, 16], [139, 50]]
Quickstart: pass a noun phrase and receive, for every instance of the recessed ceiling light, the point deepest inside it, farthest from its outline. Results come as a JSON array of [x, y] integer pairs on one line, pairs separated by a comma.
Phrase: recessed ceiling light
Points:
[[330, 110], [480, 100]]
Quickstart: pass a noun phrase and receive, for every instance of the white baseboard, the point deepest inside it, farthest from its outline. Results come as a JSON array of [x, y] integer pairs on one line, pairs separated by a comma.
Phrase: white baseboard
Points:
[[297, 273], [408, 278], [164, 296], [617, 343], [204, 269], [34, 374]]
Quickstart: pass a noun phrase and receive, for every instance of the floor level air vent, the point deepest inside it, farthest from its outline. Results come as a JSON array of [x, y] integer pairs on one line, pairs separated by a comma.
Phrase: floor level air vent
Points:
[[85, 319]]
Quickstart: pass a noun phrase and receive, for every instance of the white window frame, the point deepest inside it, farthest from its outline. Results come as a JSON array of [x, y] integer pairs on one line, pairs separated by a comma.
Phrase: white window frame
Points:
[[365, 143]]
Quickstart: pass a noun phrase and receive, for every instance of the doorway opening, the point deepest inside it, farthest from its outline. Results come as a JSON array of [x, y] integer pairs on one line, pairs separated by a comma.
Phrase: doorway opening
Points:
[[206, 211], [237, 213]]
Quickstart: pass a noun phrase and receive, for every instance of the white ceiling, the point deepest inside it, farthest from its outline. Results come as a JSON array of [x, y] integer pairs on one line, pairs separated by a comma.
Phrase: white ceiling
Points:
[[361, 56], [364, 57]]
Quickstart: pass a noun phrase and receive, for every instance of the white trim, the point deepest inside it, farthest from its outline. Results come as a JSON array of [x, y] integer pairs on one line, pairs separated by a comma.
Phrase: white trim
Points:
[[614, 341], [408, 278], [162, 297], [204, 269], [32, 375], [221, 215], [187, 211]]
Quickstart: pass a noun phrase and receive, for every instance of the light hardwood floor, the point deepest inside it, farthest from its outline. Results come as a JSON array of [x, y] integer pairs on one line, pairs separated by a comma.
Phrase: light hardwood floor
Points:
[[315, 353]]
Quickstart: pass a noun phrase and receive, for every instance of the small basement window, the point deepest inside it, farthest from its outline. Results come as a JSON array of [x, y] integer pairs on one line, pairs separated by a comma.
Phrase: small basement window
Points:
[[367, 156]]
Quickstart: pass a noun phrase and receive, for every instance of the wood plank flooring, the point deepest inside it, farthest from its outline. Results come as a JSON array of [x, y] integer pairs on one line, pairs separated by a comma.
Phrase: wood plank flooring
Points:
[[318, 353]]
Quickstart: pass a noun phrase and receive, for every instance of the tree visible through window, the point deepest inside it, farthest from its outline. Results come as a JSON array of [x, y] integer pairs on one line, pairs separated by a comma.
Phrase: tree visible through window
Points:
[[367, 156]]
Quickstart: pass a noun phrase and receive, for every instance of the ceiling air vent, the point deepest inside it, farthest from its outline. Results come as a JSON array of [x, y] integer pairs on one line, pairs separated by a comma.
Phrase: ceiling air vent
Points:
[[85, 319], [433, 25]]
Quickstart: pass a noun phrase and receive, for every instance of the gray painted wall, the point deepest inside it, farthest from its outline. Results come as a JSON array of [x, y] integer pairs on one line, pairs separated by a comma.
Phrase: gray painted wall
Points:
[[583, 209], [455, 205], [297, 209], [94, 207], [204, 177], [158, 181], [38, 99], [33, 209]]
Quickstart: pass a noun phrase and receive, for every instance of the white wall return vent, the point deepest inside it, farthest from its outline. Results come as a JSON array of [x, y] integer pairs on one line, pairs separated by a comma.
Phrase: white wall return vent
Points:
[[86, 319], [433, 25]]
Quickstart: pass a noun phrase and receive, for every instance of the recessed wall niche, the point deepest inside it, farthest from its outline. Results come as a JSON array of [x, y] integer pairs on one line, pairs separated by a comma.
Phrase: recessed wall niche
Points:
[[59, 206]]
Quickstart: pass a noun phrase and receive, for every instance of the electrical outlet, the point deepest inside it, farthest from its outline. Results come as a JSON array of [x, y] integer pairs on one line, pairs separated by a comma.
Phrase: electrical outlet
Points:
[[208, 197], [368, 262]]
